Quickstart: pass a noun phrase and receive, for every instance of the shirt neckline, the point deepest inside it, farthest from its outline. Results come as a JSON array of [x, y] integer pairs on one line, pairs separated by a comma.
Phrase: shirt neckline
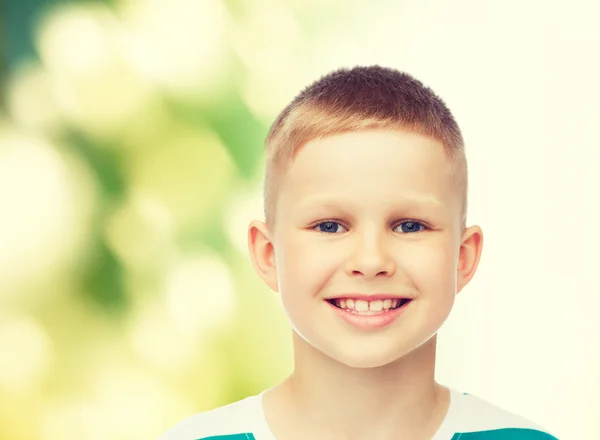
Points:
[[444, 432]]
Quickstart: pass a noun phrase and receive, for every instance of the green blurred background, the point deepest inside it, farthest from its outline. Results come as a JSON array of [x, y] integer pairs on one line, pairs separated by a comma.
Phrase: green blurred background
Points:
[[131, 141]]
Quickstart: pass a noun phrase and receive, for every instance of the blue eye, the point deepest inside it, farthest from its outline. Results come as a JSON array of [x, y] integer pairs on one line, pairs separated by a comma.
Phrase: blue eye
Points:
[[411, 227], [329, 227]]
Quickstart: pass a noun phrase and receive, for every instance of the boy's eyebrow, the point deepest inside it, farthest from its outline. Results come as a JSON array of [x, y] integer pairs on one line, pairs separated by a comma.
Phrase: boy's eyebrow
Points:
[[420, 201]]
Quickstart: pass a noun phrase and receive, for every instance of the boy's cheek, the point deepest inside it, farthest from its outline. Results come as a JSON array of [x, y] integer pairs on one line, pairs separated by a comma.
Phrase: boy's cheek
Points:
[[308, 271]]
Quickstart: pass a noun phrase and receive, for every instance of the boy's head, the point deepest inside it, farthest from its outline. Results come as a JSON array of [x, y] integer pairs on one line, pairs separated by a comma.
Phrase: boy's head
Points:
[[359, 99], [365, 195]]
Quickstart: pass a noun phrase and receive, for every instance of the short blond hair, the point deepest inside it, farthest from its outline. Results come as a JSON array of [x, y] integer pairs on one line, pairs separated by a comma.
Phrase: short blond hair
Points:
[[360, 98]]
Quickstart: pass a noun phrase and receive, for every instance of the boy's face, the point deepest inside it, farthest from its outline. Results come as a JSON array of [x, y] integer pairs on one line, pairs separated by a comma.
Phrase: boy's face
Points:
[[371, 212]]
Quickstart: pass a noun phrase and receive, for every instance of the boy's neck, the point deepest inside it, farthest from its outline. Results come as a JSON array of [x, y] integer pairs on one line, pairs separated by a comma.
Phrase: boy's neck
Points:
[[324, 399]]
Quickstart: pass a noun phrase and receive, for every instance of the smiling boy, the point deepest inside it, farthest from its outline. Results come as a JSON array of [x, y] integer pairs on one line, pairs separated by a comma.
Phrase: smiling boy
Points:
[[365, 240]]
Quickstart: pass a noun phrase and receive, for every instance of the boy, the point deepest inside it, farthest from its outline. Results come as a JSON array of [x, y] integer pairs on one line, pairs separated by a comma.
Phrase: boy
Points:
[[365, 240]]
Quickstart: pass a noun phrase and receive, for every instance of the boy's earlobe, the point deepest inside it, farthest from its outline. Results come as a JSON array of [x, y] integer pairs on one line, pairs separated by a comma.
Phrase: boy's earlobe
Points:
[[262, 253], [469, 255]]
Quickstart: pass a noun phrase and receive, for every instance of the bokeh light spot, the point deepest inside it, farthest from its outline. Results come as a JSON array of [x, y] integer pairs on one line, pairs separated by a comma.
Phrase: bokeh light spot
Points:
[[200, 293], [180, 44], [159, 341], [26, 353], [190, 174], [141, 232], [96, 87], [45, 198]]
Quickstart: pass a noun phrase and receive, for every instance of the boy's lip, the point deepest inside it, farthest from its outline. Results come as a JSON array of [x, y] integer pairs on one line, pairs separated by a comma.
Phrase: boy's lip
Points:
[[371, 297]]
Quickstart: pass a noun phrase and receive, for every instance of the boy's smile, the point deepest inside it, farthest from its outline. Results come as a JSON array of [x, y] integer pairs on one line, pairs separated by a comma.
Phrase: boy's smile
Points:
[[365, 213]]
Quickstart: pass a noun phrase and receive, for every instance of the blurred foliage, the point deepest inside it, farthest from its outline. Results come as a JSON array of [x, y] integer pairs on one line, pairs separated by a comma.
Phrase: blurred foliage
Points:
[[130, 165]]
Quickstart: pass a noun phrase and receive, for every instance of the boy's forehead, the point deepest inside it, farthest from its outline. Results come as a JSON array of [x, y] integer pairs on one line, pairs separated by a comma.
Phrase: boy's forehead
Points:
[[407, 167], [426, 202]]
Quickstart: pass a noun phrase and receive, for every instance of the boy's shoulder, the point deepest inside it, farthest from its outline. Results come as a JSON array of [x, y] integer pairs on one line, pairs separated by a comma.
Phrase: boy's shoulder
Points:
[[235, 421], [473, 418]]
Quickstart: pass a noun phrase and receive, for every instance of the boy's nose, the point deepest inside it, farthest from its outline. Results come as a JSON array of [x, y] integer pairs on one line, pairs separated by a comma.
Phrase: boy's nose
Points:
[[371, 259]]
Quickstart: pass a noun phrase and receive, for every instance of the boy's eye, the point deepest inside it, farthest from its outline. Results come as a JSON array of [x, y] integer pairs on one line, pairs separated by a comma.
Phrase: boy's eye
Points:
[[411, 227], [330, 227]]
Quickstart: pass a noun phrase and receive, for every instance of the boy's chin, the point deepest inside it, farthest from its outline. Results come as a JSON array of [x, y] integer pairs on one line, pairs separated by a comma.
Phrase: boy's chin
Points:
[[368, 360], [386, 358]]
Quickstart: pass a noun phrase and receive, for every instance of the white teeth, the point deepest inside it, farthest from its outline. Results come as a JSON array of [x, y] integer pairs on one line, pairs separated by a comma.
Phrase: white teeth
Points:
[[361, 306], [375, 306], [367, 307]]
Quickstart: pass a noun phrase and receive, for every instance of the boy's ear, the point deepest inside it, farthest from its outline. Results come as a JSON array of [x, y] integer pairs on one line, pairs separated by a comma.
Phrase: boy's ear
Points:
[[262, 253], [469, 255]]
